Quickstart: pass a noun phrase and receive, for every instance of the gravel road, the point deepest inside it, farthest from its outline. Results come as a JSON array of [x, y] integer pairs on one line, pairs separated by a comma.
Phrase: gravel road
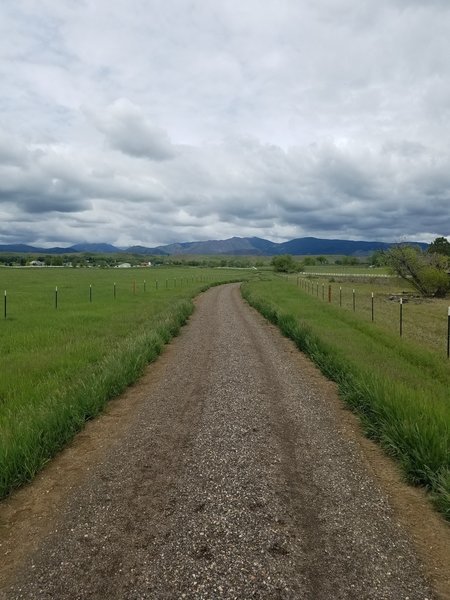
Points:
[[226, 475]]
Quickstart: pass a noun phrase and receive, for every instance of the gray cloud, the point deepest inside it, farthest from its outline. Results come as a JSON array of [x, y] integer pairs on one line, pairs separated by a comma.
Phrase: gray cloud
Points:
[[126, 129], [203, 120]]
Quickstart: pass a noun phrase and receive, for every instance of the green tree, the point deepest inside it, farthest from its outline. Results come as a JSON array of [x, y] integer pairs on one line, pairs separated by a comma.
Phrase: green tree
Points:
[[427, 272], [378, 258], [309, 261], [322, 260], [350, 260], [440, 246], [285, 264]]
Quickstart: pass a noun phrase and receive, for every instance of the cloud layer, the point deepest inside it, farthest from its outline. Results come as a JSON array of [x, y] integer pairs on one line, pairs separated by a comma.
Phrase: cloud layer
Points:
[[137, 122]]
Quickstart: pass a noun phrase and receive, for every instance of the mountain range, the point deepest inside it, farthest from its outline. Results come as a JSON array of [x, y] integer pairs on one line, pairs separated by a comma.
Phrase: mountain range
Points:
[[235, 246]]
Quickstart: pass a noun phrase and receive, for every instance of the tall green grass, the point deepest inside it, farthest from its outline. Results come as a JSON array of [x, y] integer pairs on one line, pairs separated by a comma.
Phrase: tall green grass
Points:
[[60, 366], [400, 390]]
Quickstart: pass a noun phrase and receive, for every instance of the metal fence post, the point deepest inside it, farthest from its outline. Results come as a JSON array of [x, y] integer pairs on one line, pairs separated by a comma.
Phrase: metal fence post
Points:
[[448, 328], [401, 317]]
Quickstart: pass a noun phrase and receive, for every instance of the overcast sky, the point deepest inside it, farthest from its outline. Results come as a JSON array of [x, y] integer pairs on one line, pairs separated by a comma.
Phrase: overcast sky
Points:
[[155, 121]]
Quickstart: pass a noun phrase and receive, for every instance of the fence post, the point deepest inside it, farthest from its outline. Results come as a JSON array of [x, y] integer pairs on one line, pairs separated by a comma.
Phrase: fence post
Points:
[[56, 296], [340, 295], [90, 292], [5, 304], [401, 317], [372, 307], [323, 291], [354, 299], [448, 330], [329, 293], [114, 290]]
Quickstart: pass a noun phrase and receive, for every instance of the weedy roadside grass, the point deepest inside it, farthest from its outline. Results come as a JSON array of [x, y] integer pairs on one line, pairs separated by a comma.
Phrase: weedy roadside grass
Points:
[[398, 387], [60, 365]]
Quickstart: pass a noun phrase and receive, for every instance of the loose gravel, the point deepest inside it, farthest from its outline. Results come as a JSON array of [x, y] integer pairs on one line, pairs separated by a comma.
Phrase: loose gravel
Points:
[[233, 480]]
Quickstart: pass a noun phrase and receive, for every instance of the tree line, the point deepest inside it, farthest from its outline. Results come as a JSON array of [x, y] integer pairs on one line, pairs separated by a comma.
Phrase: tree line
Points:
[[90, 259], [428, 270]]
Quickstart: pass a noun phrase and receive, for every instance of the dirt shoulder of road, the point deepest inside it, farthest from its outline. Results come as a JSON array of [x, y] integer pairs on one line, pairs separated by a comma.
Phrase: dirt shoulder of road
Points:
[[428, 529], [30, 512]]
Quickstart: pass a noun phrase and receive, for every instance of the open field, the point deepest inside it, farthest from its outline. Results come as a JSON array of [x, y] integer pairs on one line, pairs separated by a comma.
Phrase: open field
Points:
[[399, 386], [61, 364], [360, 270], [424, 320]]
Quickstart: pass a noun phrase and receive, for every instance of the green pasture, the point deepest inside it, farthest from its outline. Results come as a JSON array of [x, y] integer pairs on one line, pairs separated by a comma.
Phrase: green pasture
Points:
[[346, 270], [424, 320], [60, 362], [398, 385]]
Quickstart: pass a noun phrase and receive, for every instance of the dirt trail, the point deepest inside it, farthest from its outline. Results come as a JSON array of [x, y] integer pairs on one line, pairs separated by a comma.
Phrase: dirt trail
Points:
[[231, 470]]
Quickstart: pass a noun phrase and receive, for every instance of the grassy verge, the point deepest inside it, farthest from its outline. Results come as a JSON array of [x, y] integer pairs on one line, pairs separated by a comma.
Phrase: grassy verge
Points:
[[60, 366], [399, 389]]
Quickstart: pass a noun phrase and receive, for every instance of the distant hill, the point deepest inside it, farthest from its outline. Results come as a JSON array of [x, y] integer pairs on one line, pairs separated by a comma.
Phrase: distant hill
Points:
[[25, 249], [235, 246], [144, 250], [310, 245], [96, 248], [232, 246], [258, 246]]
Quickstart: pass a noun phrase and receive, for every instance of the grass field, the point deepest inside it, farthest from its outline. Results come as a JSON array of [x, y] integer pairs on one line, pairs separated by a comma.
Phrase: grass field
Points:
[[399, 386], [347, 270], [424, 320], [60, 364]]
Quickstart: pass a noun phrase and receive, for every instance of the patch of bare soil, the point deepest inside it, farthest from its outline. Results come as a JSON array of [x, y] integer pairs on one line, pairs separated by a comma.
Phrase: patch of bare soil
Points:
[[230, 470]]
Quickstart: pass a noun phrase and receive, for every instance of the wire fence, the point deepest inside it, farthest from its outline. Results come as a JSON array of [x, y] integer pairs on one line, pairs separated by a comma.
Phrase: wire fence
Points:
[[422, 320], [17, 299]]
